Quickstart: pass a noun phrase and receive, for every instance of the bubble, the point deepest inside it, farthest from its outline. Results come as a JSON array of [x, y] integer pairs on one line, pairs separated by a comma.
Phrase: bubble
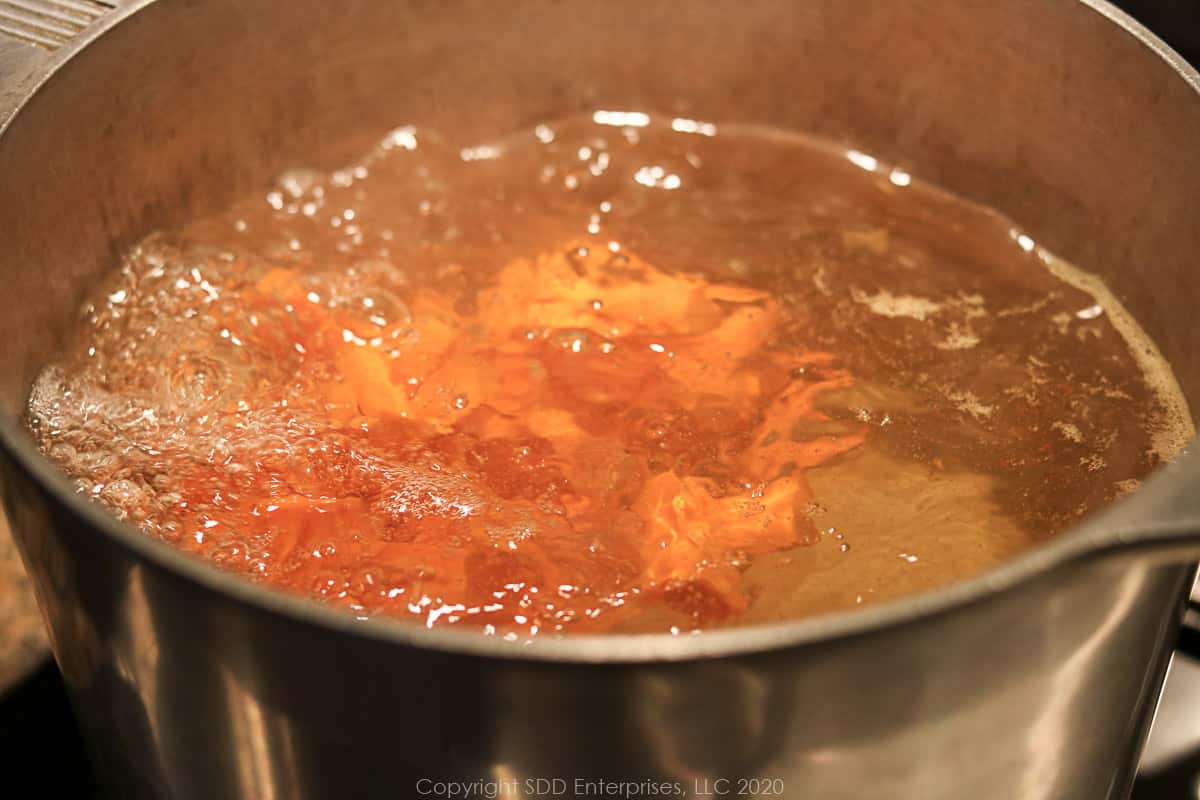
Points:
[[367, 581], [573, 340], [170, 531], [123, 494], [327, 584], [229, 552], [296, 183], [577, 258], [198, 378]]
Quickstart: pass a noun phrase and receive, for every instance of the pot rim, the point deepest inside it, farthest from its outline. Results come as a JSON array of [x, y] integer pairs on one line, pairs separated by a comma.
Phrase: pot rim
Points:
[[1094, 536]]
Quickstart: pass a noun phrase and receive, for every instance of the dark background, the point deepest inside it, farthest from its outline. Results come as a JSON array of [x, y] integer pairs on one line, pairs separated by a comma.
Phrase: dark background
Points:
[[40, 752], [1176, 21]]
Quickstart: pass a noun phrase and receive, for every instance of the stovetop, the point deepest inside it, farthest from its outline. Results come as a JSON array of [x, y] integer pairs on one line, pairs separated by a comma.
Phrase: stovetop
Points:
[[40, 744]]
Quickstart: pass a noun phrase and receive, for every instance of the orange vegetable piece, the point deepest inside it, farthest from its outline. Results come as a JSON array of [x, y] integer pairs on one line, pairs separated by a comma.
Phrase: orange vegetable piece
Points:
[[595, 431]]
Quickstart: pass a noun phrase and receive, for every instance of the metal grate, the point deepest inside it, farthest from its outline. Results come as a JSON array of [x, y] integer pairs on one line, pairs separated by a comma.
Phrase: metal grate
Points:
[[49, 23]]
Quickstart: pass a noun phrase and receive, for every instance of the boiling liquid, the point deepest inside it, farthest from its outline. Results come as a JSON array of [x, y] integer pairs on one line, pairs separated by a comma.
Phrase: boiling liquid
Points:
[[608, 374]]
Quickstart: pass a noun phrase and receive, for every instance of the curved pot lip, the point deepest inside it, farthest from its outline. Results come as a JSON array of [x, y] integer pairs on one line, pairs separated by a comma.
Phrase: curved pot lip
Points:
[[1091, 536]]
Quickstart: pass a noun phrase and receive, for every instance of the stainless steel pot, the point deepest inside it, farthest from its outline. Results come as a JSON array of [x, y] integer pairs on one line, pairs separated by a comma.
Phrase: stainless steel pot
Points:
[[1037, 680]]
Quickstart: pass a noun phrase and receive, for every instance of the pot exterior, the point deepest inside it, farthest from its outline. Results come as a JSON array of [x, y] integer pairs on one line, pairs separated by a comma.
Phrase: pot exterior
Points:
[[1042, 689], [1043, 692]]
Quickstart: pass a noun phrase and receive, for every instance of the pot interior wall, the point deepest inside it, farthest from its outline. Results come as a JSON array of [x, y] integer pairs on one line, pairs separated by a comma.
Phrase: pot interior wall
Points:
[[1044, 110]]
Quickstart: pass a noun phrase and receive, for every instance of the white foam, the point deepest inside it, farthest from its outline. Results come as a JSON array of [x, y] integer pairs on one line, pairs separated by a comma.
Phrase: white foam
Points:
[[886, 304], [1175, 429]]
